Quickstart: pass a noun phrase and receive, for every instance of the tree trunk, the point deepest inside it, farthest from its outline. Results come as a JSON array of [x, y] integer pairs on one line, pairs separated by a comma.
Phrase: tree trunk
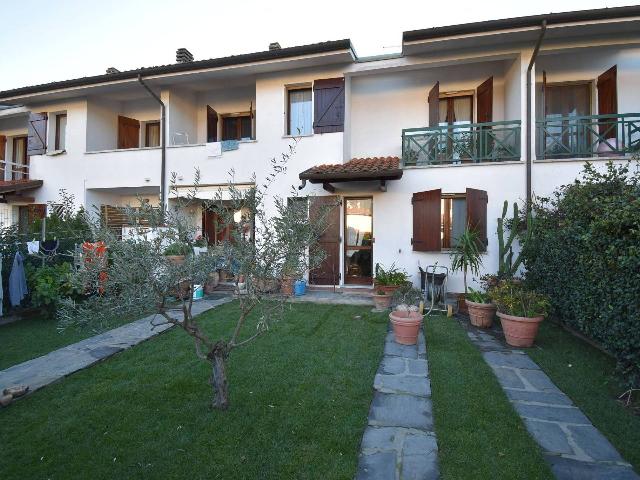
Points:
[[219, 382], [464, 274]]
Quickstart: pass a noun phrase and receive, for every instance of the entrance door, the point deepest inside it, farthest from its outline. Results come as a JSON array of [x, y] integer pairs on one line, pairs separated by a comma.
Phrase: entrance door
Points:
[[358, 241], [328, 272]]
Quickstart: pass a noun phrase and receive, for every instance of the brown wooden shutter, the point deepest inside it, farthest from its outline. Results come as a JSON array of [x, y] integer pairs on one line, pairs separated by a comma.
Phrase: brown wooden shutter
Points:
[[608, 101], [434, 105], [328, 272], [485, 101], [37, 211], [128, 132], [3, 157], [328, 105], [477, 214], [37, 134], [212, 125], [426, 221]]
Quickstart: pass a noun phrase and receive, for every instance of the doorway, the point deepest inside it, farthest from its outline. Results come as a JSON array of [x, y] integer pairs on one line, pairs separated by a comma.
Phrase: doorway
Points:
[[358, 240]]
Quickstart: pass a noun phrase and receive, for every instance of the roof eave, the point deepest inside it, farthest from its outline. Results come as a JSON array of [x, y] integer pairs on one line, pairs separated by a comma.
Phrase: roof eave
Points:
[[395, 174]]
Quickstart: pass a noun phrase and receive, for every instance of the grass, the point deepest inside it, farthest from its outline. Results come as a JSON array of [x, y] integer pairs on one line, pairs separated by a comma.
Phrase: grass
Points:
[[299, 402], [479, 434], [587, 376], [32, 337]]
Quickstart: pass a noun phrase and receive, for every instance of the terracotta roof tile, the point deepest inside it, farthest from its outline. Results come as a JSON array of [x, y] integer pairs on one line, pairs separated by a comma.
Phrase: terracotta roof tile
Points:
[[356, 166]]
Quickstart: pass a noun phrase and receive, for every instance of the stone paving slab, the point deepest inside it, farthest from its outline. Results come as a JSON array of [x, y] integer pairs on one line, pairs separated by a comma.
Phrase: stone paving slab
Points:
[[399, 442], [573, 447], [42, 371]]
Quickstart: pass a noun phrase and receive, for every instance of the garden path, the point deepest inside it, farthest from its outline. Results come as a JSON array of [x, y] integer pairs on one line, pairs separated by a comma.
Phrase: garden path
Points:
[[572, 446], [42, 371], [399, 442]]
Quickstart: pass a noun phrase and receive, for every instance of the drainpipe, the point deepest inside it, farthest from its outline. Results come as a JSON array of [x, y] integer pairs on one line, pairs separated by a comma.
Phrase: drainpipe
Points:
[[543, 29], [163, 130]]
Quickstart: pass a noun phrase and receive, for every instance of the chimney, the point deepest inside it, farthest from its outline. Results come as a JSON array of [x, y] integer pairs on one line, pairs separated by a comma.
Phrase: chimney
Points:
[[111, 70], [274, 46], [183, 56]]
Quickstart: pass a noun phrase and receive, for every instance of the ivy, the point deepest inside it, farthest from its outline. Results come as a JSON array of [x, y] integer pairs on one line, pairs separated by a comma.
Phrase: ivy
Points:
[[585, 254]]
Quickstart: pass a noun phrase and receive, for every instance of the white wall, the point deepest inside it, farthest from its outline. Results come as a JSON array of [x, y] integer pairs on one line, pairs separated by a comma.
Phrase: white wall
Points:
[[182, 117]]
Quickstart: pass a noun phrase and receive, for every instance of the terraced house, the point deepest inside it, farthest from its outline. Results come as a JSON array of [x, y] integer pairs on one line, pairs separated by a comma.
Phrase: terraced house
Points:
[[415, 145]]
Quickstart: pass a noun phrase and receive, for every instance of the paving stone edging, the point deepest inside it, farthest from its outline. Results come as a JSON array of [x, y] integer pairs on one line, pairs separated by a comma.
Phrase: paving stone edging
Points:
[[572, 446], [41, 371], [399, 442]]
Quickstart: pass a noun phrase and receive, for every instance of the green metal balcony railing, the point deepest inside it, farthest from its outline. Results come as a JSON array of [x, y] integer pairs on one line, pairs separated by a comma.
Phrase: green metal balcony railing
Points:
[[463, 143], [588, 136]]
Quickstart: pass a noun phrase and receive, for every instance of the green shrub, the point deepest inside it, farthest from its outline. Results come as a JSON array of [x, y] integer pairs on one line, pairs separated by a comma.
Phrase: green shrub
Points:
[[390, 276], [585, 254], [478, 296], [178, 248], [49, 284]]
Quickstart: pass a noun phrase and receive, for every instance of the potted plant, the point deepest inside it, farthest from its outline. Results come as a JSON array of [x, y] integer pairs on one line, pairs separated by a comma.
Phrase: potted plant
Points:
[[406, 321], [520, 310], [176, 252], [391, 279], [381, 300], [466, 257], [481, 310]]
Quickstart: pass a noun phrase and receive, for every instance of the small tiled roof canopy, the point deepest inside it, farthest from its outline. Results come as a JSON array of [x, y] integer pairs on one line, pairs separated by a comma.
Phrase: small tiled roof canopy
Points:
[[357, 169]]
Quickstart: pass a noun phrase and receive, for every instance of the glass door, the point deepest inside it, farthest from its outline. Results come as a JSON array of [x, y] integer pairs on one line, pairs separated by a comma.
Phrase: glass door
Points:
[[358, 245]]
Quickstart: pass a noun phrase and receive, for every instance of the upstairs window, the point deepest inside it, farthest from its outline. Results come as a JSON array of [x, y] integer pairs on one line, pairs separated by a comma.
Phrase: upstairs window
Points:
[[152, 134], [237, 127], [61, 132], [299, 112]]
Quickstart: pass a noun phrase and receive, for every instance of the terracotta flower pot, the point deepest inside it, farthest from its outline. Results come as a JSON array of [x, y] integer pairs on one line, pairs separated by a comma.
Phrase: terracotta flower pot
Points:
[[212, 282], [406, 326], [286, 286], [382, 302], [176, 259], [388, 289], [481, 314], [519, 331], [462, 305]]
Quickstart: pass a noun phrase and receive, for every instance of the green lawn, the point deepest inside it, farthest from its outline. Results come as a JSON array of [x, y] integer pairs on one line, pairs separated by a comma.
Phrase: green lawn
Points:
[[480, 436], [586, 375], [32, 337], [299, 402]]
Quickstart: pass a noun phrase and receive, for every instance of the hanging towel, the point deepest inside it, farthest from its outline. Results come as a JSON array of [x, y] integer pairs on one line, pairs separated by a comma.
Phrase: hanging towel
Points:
[[1, 289], [33, 247], [17, 281], [49, 247]]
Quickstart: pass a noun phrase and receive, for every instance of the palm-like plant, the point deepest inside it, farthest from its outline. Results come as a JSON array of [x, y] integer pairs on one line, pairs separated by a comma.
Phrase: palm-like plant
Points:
[[466, 255]]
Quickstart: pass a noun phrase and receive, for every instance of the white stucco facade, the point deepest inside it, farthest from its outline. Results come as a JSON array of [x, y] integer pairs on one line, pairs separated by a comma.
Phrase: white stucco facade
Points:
[[382, 97]]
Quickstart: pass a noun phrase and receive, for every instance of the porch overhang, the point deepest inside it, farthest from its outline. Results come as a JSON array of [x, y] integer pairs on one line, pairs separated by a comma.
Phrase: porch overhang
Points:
[[14, 190], [375, 169]]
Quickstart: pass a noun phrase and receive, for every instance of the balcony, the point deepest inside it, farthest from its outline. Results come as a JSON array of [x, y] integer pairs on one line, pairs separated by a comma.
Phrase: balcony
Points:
[[460, 144], [588, 136]]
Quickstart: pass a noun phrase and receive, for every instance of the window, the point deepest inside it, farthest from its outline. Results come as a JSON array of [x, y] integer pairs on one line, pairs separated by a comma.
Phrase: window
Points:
[[19, 169], [237, 127], [61, 131], [299, 112], [152, 134], [439, 219], [456, 110]]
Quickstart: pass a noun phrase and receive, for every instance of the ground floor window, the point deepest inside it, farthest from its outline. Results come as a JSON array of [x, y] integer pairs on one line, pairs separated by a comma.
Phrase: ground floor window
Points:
[[237, 127]]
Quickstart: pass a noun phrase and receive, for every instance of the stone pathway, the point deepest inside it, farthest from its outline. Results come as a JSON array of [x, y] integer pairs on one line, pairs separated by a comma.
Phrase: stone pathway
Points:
[[399, 442], [335, 298], [572, 446], [55, 365]]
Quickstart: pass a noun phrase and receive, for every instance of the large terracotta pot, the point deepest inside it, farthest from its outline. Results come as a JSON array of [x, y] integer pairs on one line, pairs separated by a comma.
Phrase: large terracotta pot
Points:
[[387, 289], [382, 302], [519, 331], [406, 326], [481, 314], [286, 286], [176, 259], [212, 282], [462, 305]]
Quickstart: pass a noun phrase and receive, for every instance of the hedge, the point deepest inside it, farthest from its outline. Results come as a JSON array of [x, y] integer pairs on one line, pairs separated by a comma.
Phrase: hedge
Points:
[[585, 254]]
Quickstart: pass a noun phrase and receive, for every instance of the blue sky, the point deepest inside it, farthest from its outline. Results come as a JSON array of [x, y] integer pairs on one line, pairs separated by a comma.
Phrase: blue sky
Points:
[[47, 40]]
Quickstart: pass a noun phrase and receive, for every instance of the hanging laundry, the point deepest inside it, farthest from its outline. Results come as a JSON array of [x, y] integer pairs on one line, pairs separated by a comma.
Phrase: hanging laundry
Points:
[[17, 281], [49, 247], [33, 247]]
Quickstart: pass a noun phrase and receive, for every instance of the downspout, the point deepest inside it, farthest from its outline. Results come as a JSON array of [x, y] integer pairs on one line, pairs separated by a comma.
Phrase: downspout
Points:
[[543, 29], [163, 163]]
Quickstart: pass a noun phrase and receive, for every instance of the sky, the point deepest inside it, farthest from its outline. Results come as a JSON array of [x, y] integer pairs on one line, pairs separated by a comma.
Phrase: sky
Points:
[[50, 40]]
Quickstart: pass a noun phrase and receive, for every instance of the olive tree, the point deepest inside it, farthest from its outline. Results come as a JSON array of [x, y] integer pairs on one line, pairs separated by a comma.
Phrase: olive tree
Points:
[[270, 238]]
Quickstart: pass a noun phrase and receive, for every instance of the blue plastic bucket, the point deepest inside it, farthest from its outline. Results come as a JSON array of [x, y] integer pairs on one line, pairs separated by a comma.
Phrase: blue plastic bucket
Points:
[[299, 288]]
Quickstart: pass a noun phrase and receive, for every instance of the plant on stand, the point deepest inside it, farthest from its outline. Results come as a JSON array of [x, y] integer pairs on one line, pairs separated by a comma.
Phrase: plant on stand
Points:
[[391, 279], [466, 257], [520, 310], [381, 300]]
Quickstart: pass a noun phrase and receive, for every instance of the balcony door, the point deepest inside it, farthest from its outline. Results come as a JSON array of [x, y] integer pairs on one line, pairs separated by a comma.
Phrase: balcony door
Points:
[[566, 130], [358, 244]]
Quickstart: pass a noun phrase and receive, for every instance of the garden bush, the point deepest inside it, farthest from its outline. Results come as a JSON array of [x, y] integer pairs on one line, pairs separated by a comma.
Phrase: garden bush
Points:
[[585, 254]]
